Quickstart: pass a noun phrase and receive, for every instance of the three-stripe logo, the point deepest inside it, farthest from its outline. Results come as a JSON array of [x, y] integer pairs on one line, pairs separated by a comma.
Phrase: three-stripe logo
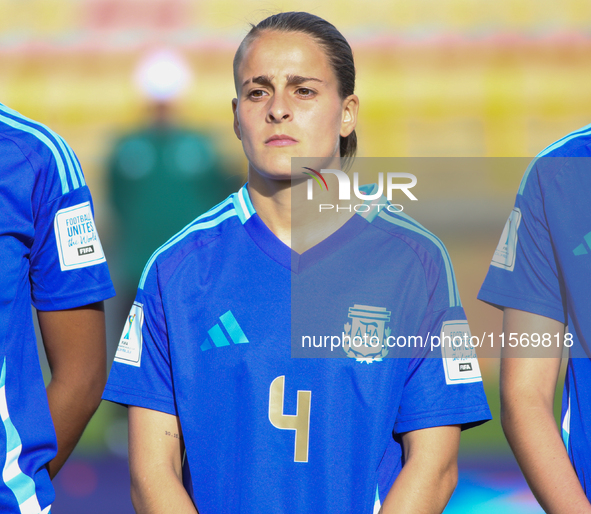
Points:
[[581, 249], [218, 337]]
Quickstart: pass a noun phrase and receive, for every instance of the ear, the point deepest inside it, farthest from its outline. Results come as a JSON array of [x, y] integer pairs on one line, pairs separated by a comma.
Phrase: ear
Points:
[[349, 121], [236, 122]]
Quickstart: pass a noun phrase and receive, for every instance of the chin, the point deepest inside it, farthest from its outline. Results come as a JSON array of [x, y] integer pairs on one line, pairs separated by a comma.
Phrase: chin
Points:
[[276, 169], [278, 175]]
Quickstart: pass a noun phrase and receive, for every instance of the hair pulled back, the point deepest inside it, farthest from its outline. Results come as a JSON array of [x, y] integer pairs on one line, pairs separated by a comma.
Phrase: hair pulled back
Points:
[[335, 46]]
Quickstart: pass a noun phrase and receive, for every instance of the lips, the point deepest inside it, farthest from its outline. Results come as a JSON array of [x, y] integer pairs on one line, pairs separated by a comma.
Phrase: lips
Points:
[[280, 140]]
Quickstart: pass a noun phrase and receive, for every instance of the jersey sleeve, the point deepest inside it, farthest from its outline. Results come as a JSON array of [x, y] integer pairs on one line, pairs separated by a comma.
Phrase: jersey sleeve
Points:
[[141, 373], [443, 385], [67, 263], [523, 273]]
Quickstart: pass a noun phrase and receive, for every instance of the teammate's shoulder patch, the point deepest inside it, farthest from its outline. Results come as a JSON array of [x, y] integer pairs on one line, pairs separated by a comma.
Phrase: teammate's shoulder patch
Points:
[[77, 240], [129, 350], [460, 363], [504, 256]]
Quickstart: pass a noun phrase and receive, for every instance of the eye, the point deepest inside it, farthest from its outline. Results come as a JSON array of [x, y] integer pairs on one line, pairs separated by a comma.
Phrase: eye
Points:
[[257, 93], [305, 92]]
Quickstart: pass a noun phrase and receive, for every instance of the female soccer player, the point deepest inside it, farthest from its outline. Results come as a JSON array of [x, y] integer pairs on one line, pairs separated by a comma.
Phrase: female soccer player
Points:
[[205, 359]]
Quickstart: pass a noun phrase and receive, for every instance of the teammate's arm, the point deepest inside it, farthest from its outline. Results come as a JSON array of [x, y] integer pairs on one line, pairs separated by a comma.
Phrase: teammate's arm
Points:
[[430, 472], [527, 398], [75, 345], [155, 459]]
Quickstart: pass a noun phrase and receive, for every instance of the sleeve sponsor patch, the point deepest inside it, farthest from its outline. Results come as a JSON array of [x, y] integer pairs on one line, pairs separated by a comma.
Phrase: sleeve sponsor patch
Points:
[[504, 256], [78, 243], [459, 358], [129, 350]]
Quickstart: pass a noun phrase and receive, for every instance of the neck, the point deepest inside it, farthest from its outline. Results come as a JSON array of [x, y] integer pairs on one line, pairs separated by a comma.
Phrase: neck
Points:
[[296, 221]]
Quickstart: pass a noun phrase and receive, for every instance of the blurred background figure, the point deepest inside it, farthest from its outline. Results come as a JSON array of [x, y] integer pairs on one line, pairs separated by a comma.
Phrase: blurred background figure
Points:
[[161, 176]]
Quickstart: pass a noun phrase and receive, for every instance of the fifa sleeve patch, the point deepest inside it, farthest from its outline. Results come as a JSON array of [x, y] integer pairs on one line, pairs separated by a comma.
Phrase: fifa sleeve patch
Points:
[[78, 243], [460, 363], [129, 350], [504, 256]]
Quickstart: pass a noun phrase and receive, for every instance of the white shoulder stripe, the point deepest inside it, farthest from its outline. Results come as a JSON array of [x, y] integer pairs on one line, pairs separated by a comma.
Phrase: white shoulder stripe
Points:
[[243, 205], [410, 224], [585, 131], [65, 163], [76, 164], [185, 232], [60, 163], [245, 213]]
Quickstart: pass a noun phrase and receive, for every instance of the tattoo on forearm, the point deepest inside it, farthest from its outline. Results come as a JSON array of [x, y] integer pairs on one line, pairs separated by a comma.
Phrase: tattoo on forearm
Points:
[[170, 434]]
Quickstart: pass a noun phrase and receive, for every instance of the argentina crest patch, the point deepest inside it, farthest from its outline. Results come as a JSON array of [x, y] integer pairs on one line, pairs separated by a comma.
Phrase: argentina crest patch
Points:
[[363, 337]]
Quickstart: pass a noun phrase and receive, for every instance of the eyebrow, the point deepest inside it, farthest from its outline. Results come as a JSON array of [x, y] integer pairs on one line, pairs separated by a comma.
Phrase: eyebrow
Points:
[[292, 80]]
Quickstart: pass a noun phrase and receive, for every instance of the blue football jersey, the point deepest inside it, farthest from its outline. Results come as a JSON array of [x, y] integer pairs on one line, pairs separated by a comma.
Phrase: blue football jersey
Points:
[[212, 338], [543, 265], [51, 258]]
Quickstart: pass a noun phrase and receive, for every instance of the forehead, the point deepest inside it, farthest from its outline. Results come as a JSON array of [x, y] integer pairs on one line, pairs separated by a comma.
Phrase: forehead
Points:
[[279, 54]]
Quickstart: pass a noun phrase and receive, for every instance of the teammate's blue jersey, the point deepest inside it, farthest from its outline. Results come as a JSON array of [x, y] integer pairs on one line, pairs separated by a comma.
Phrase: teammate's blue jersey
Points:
[[51, 257], [208, 340], [543, 265]]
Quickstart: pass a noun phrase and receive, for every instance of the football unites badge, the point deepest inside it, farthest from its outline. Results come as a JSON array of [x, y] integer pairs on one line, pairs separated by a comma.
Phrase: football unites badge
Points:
[[366, 333]]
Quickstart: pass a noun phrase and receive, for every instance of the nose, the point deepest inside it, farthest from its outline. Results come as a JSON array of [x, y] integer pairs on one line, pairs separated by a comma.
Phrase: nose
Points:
[[279, 109]]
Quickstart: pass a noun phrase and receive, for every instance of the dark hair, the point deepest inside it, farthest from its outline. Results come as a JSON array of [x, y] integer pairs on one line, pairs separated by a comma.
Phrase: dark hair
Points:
[[335, 46]]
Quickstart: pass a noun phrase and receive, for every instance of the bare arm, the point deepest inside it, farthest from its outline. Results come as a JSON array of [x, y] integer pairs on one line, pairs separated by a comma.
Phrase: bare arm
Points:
[[430, 473], [155, 450], [527, 397], [75, 345]]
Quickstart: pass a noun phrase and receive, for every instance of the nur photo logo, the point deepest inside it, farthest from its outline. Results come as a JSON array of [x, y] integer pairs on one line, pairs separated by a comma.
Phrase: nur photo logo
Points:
[[383, 188], [317, 177]]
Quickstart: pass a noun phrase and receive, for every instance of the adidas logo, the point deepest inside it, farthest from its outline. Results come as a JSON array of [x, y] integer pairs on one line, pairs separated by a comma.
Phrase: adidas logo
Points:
[[581, 249], [217, 335]]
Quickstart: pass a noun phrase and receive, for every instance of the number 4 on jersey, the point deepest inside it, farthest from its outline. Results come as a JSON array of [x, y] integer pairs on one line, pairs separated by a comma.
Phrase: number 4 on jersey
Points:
[[300, 422]]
